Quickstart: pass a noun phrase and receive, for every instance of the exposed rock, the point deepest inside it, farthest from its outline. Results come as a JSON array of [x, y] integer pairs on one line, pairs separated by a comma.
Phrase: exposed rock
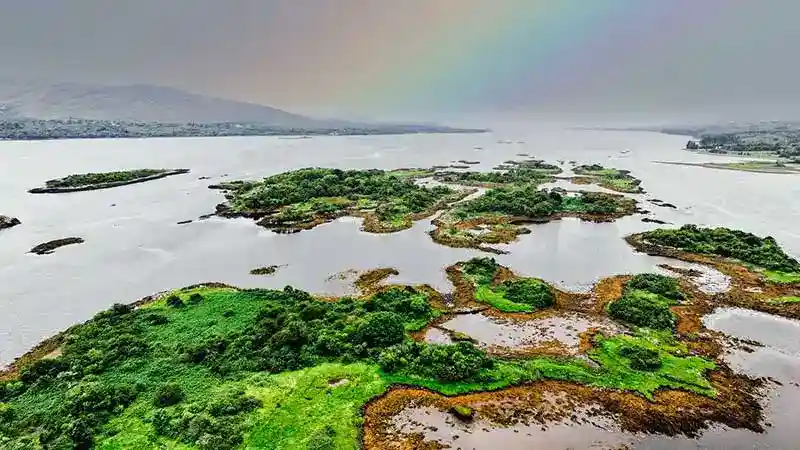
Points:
[[8, 222], [184, 222], [463, 412], [49, 247], [649, 220]]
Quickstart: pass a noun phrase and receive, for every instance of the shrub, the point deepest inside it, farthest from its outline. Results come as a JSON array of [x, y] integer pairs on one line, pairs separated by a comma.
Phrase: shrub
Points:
[[483, 269], [529, 292], [195, 298], [643, 309], [44, 370], [455, 362], [174, 301], [641, 358], [381, 329], [658, 284], [167, 395]]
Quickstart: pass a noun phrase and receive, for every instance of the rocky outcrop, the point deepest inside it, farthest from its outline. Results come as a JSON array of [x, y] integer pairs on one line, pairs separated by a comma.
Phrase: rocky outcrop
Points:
[[8, 222], [49, 247]]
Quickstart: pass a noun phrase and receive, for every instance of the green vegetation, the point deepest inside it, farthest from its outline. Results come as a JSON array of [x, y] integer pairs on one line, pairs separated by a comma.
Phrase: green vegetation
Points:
[[764, 253], [515, 172], [221, 368], [609, 178], [305, 196], [514, 295], [646, 302], [87, 179], [614, 370], [657, 284], [785, 300], [782, 277], [529, 202]]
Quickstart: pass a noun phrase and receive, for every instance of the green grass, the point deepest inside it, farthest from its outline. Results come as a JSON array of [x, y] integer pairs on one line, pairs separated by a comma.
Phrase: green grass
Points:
[[496, 298], [784, 300], [782, 277], [305, 408], [298, 406], [678, 371]]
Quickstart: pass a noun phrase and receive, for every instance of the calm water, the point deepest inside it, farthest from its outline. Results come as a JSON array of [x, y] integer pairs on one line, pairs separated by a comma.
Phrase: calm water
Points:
[[135, 247]]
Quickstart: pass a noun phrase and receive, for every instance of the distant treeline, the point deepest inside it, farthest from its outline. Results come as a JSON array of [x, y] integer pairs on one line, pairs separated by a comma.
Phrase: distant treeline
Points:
[[781, 139], [33, 129]]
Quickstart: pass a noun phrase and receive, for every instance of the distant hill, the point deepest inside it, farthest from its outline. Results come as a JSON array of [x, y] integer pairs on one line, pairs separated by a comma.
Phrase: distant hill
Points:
[[138, 102]]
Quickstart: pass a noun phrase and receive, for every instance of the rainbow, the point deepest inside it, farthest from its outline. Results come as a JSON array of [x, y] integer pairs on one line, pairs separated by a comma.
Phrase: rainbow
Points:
[[465, 52]]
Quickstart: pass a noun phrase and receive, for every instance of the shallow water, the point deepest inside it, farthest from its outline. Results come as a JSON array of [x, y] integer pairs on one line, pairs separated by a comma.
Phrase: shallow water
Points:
[[565, 328], [135, 247]]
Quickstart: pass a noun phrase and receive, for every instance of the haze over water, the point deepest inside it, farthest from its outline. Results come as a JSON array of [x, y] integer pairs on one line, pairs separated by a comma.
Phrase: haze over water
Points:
[[134, 246]]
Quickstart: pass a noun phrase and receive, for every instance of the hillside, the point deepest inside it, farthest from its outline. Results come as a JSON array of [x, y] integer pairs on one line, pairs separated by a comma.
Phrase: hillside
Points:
[[139, 102]]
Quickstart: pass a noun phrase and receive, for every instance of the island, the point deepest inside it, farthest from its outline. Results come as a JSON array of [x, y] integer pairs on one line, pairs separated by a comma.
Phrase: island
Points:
[[50, 246], [290, 202], [8, 222], [103, 180], [614, 179], [213, 366], [766, 275], [469, 209]]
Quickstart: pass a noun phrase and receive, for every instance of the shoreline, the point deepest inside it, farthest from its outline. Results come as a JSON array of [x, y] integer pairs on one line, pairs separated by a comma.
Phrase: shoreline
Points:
[[730, 166]]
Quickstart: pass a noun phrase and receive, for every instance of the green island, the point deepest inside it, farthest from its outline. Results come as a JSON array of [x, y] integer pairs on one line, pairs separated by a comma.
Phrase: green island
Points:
[[495, 216], [302, 199], [103, 180], [613, 179], [763, 254], [391, 201], [217, 367]]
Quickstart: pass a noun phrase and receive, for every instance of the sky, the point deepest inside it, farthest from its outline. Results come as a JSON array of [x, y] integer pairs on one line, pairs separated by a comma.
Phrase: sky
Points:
[[381, 56]]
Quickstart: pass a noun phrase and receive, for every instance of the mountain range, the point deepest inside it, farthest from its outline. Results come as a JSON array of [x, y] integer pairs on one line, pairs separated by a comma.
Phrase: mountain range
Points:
[[138, 102]]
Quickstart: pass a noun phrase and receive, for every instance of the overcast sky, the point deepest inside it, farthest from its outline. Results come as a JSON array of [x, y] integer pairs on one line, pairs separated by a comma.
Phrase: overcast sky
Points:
[[642, 55]]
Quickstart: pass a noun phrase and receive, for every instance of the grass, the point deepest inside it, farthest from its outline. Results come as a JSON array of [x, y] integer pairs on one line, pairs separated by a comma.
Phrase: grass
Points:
[[778, 277], [301, 410], [318, 406], [784, 300], [496, 298], [677, 370]]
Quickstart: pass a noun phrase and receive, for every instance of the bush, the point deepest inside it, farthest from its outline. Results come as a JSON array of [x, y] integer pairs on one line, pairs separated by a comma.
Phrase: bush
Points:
[[455, 362], [643, 309], [381, 329], [657, 284], [195, 298], [529, 292], [174, 301], [44, 370], [167, 395], [483, 269], [641, 358]]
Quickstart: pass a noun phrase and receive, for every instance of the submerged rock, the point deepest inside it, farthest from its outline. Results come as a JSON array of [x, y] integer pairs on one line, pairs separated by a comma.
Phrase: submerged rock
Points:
[[8, 222]]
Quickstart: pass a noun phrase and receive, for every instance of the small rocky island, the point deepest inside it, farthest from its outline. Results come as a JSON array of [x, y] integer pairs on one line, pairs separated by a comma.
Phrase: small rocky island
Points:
[[49, 247], [8, 222], [214, 366], [103, 180]]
